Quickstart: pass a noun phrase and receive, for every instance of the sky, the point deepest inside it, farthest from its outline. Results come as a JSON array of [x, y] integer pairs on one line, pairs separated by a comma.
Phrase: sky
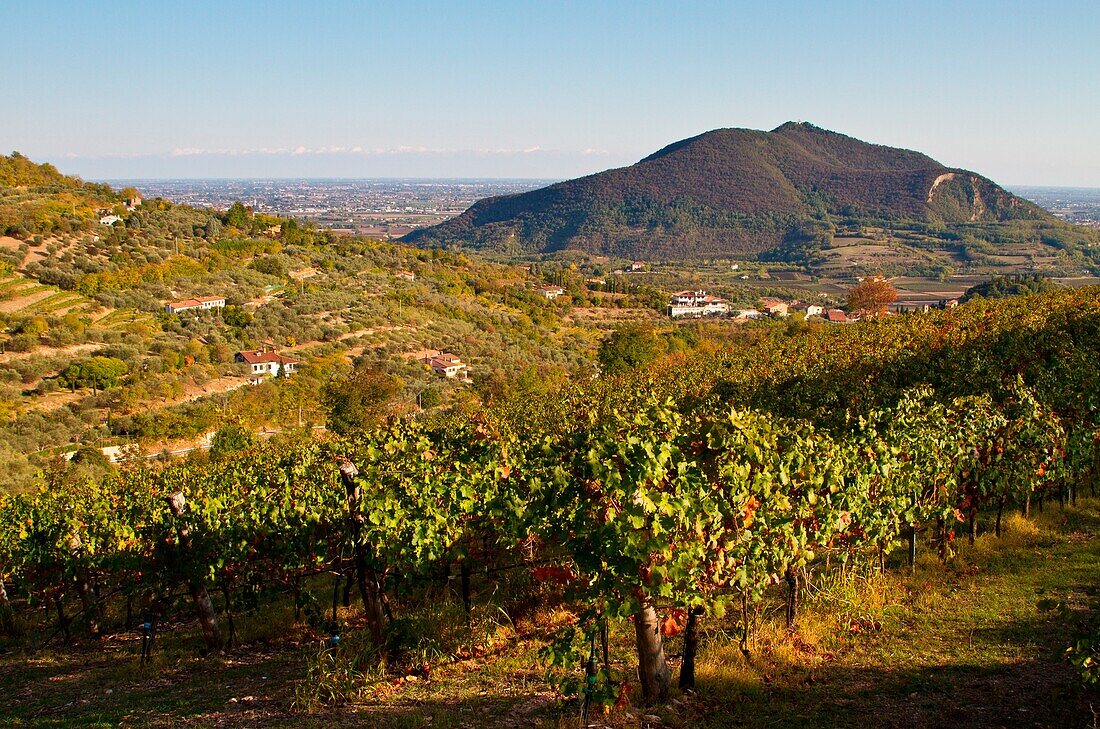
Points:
[[542, 89]]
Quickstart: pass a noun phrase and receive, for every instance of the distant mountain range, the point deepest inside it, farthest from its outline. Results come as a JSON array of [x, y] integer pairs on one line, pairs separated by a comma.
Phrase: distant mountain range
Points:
[[734, 192]]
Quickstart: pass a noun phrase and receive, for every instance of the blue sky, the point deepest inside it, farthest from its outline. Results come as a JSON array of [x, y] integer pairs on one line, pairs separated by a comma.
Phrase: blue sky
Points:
[[539, 89]]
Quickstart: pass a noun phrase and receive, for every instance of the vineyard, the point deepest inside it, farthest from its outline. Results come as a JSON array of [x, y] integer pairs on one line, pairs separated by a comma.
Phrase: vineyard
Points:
[[671, 497]]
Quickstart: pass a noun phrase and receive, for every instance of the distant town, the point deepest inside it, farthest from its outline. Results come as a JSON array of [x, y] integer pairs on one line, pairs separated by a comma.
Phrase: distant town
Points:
[[1078, 205], [378, 208]]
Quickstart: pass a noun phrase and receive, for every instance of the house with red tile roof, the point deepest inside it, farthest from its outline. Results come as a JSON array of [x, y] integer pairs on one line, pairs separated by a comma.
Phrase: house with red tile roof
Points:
[[200, 302], [265, 362]]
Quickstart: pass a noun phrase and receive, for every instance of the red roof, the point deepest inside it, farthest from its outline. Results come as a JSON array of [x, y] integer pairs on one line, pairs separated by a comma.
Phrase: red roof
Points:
[[836, 315], [197, 301], [263, 357]]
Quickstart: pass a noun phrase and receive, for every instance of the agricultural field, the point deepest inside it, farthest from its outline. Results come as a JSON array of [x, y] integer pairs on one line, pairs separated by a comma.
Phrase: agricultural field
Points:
[[909, 649], [726, 536]]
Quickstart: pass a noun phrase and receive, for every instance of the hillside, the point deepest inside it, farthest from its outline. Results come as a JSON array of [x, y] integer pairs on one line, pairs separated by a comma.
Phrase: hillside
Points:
[[78, 293], [741, 193]]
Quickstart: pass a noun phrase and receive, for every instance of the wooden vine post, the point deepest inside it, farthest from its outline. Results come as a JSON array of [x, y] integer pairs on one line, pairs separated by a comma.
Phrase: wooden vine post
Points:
[[85, 588], [691, 649], [200, 596], [7, 617], [369, 587], [654, 675]]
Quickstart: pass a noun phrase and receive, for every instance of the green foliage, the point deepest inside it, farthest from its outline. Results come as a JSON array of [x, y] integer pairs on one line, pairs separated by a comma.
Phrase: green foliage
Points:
[[238, 216], [18, 171], [232, 438], [695, 485], [95, 372], [628, 347], [270, 265], [430, 398], [359, 400], [1017, 285]]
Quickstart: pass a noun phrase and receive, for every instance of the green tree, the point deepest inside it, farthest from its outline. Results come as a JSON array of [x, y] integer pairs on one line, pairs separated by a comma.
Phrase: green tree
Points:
[[360, 400], [231, 438], [270, 265], [430, 398], [97, 372], [629, 347], [238, 216]]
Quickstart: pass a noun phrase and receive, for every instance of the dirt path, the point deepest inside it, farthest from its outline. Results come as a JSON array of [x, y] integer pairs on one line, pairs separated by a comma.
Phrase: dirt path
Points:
[[70, 350], [19, 303]]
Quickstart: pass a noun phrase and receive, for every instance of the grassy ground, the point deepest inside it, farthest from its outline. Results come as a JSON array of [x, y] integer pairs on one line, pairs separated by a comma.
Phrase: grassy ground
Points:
[[966, 646]]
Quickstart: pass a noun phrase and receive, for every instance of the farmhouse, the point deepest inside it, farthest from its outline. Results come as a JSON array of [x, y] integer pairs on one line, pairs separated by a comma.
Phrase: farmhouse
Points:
[[267, 362], [684, 304], [551, 292], [202, 302], [808, 309], [775, 307], [443, 363], [837, 316]]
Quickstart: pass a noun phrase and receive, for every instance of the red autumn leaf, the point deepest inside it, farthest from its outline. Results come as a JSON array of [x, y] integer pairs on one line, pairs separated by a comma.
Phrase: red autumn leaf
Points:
[[673, 624]]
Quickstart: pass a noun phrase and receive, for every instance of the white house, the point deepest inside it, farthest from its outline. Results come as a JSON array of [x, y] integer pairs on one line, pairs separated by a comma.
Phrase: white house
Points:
[[201, 302], [551, 292], [109, 220], [442, 363], [448, 365], [684, 304], [268, 362]]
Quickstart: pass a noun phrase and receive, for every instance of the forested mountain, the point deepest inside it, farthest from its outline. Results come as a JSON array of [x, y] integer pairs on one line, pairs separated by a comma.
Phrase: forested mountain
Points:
[[735, 192]]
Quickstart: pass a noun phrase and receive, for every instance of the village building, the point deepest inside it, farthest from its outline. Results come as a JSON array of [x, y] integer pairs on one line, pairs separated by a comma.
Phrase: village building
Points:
[[448, 365], [837, 316], [907, 307], [685, 304], [775, 307], [109, 220], [551, 292], [808, 310], [442, 363], [200, 302], [267, 362], [406, 275]]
